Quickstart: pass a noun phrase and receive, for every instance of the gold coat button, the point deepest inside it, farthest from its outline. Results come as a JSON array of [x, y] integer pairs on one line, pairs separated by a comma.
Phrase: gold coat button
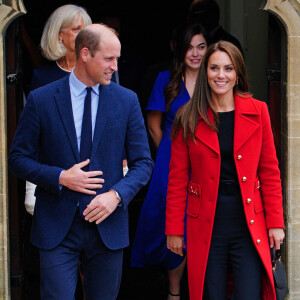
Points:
[[251, 222], [258, 241], [239, 157], [248, 200], [244, 178]]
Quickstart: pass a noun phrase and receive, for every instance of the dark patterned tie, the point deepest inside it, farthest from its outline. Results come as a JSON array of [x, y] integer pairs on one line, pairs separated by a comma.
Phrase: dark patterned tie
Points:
[[86, 143]]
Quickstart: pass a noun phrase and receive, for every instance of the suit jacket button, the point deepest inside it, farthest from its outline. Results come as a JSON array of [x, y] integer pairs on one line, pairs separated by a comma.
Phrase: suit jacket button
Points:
[[251, 222], [248, 200], [244, 178], [258, 241], [239, 157]]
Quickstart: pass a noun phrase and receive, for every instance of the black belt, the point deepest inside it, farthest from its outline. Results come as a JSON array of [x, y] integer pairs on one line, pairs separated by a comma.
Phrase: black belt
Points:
[[229, 187]]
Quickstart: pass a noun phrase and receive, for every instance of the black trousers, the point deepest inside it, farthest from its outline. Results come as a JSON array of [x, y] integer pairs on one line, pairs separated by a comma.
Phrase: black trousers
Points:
[[232, 249]]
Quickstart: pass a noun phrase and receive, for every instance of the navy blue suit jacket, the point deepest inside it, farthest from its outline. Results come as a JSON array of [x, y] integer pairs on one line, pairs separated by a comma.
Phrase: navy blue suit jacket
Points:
[[45, 143]]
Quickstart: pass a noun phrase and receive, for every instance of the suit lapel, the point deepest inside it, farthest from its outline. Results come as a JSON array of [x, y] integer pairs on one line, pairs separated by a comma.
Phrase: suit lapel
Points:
[[246, 121], [64, 105], [104, 107], [206, 135]]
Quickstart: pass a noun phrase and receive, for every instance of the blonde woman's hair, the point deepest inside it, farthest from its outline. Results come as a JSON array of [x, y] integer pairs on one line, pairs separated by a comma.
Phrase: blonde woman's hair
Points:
[[51, 48]]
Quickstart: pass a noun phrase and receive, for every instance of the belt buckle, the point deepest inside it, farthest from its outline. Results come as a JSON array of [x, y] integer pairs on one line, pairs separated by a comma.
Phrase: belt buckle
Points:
[[228, 187]]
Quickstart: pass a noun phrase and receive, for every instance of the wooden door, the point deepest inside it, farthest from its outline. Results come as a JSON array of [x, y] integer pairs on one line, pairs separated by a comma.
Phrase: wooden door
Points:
[[15, 186]]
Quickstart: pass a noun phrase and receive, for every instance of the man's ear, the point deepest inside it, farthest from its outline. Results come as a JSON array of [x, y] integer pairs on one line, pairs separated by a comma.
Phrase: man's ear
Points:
[[84, 53]]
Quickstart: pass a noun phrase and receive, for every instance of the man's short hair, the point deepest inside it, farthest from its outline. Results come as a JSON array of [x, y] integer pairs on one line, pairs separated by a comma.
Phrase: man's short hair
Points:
[[89, 39]]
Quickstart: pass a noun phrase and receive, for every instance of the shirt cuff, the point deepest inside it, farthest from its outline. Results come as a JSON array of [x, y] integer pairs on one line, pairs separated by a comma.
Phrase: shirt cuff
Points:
[[59, 185], [118, 197]]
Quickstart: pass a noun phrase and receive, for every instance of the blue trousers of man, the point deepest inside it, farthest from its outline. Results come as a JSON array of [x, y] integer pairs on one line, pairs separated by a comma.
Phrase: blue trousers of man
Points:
[[100, 266]]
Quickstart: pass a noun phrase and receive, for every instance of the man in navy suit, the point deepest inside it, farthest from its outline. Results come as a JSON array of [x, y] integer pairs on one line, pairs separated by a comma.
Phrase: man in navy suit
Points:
[[82, 196]]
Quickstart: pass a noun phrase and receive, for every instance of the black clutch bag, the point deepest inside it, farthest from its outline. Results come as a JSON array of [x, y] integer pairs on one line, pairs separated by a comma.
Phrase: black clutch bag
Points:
[[279, 274]]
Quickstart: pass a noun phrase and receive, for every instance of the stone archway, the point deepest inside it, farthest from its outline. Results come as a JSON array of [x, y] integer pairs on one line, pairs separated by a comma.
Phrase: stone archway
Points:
[[288, 13], [9, 10]]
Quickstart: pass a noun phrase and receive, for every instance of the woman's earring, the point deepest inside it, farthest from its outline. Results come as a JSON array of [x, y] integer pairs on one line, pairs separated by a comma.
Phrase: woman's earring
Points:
[[60, 40], [237, 82]]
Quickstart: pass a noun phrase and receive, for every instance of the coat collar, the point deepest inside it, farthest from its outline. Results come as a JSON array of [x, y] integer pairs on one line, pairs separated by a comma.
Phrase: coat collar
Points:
[[245, 124], [64, 105], [246, 120]]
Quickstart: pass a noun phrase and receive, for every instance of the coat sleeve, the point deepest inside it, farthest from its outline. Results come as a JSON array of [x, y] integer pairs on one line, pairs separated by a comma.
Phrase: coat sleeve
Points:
[[177, 186], [269, 175], [24, 153], [138, 156]]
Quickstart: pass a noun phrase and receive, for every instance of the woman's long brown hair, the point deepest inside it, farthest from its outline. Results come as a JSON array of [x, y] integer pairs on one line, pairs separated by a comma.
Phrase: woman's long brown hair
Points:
[[188, 116], [172, 89]]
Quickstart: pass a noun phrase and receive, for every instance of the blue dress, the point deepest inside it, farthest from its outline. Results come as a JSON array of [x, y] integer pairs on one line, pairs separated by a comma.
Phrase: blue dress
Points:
[[149, 245]]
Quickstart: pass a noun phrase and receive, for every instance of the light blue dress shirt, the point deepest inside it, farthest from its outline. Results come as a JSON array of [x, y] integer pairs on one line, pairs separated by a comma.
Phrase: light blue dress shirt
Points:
[[78, 93]]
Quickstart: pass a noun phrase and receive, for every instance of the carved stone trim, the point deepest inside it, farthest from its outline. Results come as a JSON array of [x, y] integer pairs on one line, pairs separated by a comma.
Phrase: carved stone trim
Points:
[[9, 10]]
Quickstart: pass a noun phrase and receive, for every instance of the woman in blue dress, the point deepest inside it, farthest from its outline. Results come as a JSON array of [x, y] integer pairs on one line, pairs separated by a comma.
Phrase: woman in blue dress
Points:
[[171, 90]]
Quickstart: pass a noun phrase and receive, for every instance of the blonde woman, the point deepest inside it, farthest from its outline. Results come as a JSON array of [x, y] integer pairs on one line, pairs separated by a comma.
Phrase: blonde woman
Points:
[[58, 43]]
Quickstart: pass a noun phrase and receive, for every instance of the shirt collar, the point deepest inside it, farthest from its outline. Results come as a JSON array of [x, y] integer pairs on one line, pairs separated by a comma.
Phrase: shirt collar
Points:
[[77, 87]]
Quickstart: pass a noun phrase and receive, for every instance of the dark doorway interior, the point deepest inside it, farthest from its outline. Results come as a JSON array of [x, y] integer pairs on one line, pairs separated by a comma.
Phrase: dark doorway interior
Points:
[[277, 85], [146, 29]]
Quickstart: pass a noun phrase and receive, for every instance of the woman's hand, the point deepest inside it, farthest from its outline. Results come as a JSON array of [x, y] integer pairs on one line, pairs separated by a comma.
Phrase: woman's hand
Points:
[[154, 119], [176, 244], [276, 236]]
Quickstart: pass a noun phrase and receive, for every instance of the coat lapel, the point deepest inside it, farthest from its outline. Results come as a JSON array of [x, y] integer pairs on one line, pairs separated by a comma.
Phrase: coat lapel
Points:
[[64, 105], [104, 106], [246, 121], [206, 135]]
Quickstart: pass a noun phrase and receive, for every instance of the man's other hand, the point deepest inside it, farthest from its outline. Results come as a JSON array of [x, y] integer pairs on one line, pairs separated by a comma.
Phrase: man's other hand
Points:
[[101, 207]]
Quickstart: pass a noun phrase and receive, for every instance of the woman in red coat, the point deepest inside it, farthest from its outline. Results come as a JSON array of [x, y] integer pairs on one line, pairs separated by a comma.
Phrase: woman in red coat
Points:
[[223, 157]]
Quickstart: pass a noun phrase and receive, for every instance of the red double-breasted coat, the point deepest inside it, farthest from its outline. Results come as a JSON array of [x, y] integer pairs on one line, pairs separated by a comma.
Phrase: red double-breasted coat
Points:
[[195, 171]]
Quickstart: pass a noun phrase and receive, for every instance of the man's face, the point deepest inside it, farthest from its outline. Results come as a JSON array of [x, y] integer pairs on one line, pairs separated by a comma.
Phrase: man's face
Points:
[[104, 63]]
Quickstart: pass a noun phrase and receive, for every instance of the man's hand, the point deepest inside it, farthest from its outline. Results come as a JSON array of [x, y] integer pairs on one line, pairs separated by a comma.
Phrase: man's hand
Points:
[[84, 182], [176, 244], [101, 207]]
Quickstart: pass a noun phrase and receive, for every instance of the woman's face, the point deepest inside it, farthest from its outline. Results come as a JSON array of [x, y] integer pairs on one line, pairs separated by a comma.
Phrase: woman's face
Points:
[[195, 52], [69, 33], [221, 74]]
